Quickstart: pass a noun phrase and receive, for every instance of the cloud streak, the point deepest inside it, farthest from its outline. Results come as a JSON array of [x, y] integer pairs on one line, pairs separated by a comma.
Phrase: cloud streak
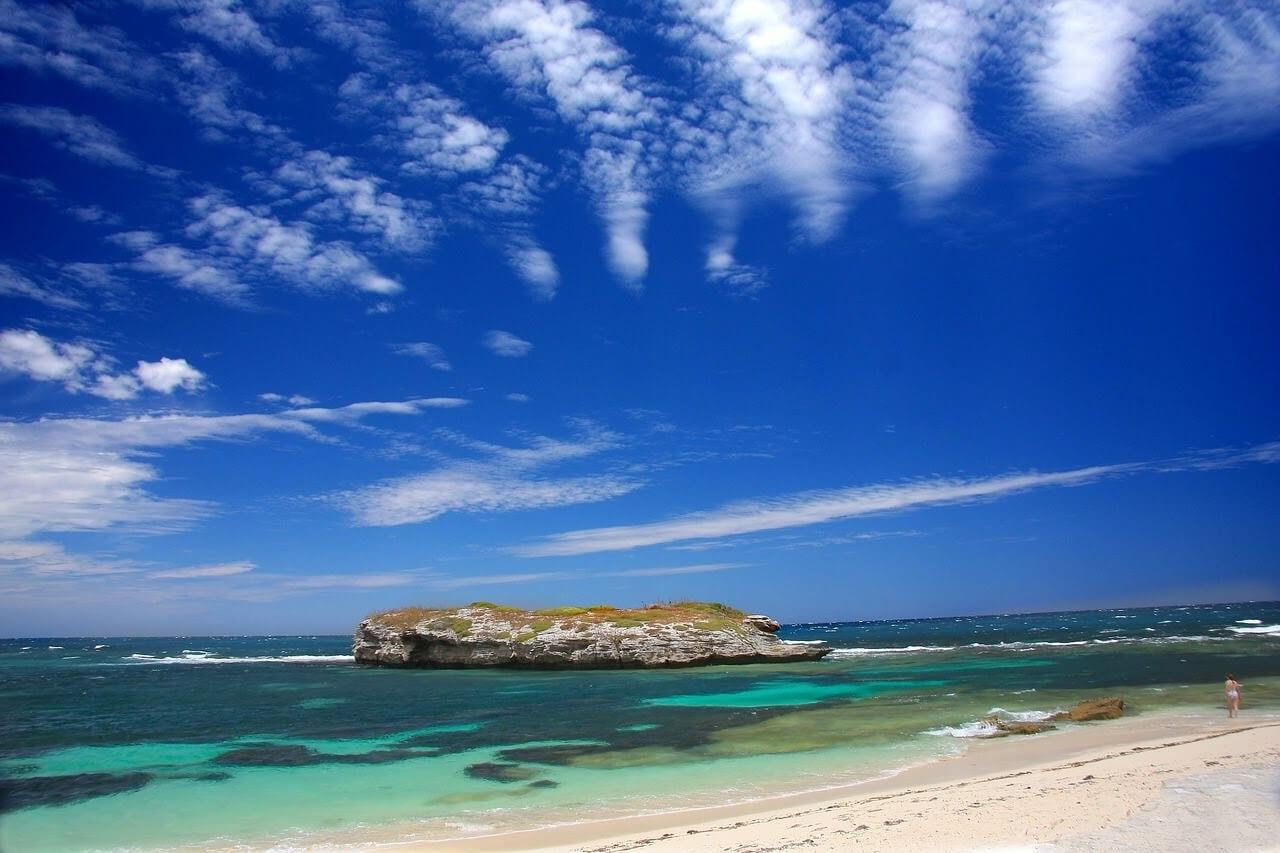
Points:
[[820, 507], [504, 479]]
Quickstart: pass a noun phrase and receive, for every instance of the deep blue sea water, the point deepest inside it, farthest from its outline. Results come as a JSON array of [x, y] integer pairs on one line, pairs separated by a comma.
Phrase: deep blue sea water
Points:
[[149, 743]]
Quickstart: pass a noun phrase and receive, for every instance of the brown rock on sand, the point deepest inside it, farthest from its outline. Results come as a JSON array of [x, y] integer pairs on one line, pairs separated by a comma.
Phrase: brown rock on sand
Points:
[[1105, 708]]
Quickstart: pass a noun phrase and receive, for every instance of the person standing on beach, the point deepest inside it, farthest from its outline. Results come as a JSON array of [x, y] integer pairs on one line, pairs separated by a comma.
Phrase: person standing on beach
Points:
[[1232, 689]]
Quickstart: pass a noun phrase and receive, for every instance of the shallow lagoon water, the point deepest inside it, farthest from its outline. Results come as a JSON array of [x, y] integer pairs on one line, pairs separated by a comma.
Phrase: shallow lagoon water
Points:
[[151, 743]]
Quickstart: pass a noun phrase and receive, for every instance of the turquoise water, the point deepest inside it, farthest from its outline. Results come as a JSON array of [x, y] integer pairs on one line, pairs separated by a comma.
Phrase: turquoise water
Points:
[[151, 743]]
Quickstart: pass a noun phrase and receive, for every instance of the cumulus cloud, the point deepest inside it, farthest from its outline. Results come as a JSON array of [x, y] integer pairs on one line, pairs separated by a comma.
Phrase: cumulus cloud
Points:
[[820, 507], [506, 344], [168, 375], [503, 479], [81, 369], [430, 353]]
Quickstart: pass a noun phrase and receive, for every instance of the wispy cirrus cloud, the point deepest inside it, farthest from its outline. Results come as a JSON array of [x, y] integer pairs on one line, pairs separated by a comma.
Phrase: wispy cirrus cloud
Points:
[[80, 135], [51, 40], [820, 507], [506, 344], [215, 570], [501, 479], [432, 354], [89, 474], [15, 283], [549, 49], [229, 245], [774, 90]]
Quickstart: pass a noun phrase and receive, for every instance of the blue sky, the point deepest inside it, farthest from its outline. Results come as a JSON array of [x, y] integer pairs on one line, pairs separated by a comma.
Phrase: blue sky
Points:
[[881, 310]]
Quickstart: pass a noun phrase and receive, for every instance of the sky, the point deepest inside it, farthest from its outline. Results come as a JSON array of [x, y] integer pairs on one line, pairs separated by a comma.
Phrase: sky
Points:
[[874, 310]]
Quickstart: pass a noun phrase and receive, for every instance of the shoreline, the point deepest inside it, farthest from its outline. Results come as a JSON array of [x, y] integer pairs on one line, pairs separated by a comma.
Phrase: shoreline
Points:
[[1144, 750]]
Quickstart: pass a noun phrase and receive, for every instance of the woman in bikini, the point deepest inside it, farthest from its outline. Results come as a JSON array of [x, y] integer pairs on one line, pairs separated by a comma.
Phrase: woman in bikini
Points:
[[1232, 690]]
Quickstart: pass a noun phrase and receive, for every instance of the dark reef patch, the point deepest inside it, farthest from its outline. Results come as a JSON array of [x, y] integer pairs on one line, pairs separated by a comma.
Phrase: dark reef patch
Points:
[[294, 755], [62, 790], [495, 772]]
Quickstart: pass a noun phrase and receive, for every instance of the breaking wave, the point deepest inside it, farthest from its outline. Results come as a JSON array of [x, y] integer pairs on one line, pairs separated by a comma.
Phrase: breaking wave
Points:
[[209, 658]]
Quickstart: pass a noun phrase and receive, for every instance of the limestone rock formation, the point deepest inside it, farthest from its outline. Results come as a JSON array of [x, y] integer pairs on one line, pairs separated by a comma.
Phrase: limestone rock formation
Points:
[[483, 634]]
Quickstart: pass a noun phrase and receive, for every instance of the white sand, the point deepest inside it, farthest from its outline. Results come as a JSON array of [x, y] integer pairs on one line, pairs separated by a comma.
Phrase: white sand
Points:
[[1187, 783]]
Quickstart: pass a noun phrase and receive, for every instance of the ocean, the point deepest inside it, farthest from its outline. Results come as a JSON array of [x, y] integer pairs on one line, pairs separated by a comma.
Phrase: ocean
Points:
[[154, 743]]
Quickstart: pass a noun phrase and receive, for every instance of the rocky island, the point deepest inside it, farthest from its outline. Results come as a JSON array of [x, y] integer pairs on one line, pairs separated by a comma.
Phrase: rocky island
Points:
[[482, 634]]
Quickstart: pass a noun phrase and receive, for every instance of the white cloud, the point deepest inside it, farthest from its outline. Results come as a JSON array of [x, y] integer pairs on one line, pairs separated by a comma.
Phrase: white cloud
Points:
[[219, 570], [226, 23], [211, 93], [80, 135], [778, 87], [82, 474], [249, 243], [291, 399], [357, 199], [168, 375], [664, 571], [928, 68], [1087, 54], [193, 271], [81, 369], [445, 142], [430, 353], [548, 48], [48, 38], [535, 265], [517, 397], [807, 508], [506, 344], [505, 479], [30, 353]]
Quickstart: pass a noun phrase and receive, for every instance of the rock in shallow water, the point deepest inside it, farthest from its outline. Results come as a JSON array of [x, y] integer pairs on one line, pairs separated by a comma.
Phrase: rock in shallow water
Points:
[[484, 635]]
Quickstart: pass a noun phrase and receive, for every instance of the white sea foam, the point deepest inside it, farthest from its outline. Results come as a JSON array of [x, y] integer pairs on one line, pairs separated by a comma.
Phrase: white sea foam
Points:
[[1022, 716], [1248, 621], [984, 728], [55, 648], [975, 729], [100, 646], [1266, 630], [209, 658], [805, 642], [838, 654]]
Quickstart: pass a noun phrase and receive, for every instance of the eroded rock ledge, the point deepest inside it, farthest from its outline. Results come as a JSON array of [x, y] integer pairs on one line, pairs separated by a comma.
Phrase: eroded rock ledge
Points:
[[600, 637]]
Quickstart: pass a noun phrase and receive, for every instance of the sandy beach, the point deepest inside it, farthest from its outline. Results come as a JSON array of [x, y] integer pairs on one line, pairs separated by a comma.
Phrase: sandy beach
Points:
[[1169, 783]]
